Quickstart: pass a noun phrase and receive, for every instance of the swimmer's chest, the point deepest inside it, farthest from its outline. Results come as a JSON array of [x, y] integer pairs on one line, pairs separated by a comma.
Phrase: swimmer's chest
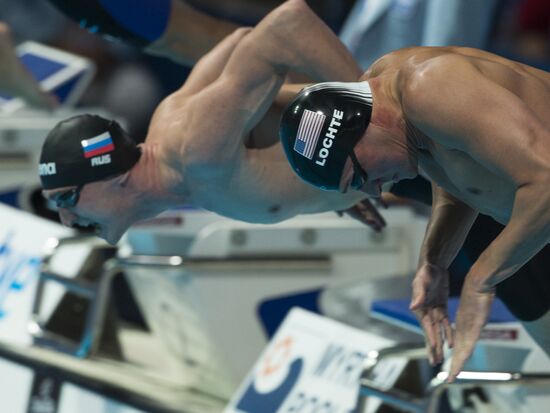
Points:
[[468, 180], [238, 200]]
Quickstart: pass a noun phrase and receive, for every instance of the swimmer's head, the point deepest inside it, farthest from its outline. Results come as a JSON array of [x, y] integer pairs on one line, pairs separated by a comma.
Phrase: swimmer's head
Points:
[[84, 149], [320, 128], [84, 162]]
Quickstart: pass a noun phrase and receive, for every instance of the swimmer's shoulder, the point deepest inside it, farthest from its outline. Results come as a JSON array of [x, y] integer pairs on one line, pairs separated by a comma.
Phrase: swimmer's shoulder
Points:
[[424, 75], [413, 69], [169, 127], [401, 58]]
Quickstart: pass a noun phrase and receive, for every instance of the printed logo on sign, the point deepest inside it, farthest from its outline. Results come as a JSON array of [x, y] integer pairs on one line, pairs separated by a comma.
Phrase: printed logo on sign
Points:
[[45, 169], [101, 160], [274, 380], [308, 133], [98, 145]]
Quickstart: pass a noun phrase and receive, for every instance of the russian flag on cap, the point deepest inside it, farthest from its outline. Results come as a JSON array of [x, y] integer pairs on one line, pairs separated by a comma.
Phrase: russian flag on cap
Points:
[[98, 145]]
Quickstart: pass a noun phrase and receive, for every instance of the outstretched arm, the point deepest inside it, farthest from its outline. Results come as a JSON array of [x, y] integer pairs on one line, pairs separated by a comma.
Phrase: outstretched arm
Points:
[[190, 34], [169, 28], [447, 229], [496, 128], [449, 224]]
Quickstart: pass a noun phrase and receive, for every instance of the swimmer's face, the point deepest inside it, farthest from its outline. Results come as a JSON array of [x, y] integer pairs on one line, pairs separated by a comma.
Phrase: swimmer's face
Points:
[[381, 161], [353, 178], [77, 206], [377, 174]]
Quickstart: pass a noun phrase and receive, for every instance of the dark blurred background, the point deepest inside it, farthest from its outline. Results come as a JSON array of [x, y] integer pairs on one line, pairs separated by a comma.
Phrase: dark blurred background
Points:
[[131, 84]]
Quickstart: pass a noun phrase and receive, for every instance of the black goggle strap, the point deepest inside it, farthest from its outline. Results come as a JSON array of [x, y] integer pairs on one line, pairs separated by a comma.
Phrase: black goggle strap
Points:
[[359, 175]]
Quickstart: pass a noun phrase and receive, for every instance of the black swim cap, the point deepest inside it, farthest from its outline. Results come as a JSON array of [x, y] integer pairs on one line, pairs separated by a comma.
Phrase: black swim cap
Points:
[[320, 128], [84, 149]]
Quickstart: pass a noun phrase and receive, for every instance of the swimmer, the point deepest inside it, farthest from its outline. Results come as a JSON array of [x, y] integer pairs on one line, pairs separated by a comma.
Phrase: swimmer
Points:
[[473, 123], [212, 144], [168, 28], [176, 30]]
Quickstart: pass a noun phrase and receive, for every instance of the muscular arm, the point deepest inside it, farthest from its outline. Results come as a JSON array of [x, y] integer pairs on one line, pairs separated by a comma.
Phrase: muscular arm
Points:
[[190, 34], [289, 38], [449, 224], [169, 28], [447, 229], [454, 102], [210, 66]]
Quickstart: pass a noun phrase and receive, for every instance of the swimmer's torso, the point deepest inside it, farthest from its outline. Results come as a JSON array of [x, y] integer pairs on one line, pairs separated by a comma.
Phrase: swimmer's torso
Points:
[[454, 170], [238, 186]]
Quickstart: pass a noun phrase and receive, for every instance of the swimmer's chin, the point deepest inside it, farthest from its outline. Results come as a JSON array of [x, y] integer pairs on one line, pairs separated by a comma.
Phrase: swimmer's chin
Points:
[[111, 237]]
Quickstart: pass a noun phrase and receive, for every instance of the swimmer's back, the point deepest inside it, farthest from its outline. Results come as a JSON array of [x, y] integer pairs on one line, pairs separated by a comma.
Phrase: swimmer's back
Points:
[[417, 55], [530, 84]]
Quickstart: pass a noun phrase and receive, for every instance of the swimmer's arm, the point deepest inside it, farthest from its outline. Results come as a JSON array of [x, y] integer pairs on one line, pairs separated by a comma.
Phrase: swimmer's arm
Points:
[[527, 232], [190, 34], [168, 28], [291, 37], [449, 224], [461, 108], [265, 133], [210, 66]]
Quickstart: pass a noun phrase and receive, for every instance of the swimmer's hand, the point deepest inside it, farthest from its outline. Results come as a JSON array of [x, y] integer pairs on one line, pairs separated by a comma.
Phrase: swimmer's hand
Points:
[[430, 290], [473, 312], [366, 213], [15, 79]]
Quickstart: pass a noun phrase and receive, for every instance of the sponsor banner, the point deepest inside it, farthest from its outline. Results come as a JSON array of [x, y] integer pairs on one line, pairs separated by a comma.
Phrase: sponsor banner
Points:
[[312, 364]]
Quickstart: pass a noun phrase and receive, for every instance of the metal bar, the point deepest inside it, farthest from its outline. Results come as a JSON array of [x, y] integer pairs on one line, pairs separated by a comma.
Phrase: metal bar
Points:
[[80, 287], [394, 397], [224, 264], [474, 378]]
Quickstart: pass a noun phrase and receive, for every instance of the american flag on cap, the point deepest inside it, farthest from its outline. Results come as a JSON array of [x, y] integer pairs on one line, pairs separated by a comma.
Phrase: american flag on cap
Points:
[[98, 145], [308, 133]]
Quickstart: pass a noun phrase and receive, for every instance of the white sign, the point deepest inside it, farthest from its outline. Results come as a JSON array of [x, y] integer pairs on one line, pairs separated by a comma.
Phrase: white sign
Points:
[[312, 364], [22, 240]]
